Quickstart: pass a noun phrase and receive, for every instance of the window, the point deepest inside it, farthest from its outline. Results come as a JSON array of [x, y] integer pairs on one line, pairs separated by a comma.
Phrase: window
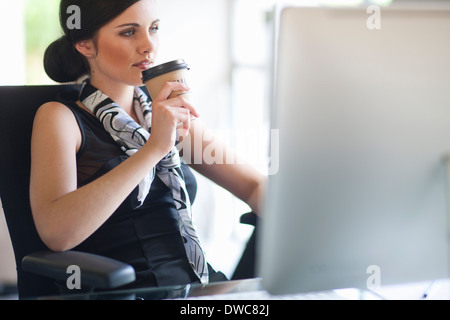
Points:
[[42, 28]]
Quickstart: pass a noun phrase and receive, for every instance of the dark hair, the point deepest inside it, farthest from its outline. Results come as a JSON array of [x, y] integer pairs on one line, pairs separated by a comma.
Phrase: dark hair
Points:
[[62, 61]]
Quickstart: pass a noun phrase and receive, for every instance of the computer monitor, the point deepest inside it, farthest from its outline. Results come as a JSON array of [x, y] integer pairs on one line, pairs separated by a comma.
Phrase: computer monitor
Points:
[[363, 112]]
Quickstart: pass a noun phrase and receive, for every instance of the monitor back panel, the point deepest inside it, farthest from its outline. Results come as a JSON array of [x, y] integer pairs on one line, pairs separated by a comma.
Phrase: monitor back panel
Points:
[[363, 115]]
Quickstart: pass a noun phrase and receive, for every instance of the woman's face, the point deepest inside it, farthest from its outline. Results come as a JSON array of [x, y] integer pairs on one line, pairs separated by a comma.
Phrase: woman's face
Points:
[[127, 45]]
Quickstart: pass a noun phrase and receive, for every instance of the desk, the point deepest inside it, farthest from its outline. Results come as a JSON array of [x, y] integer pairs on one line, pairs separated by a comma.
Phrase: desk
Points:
[[251, 289], [431, 290]]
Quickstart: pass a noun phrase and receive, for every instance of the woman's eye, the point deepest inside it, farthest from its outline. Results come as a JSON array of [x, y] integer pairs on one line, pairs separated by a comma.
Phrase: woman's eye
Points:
[[128, 33], [154, 29]]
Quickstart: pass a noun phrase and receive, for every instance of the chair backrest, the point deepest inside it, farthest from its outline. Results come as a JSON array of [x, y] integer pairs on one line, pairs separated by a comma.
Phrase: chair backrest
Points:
[[18, 106]]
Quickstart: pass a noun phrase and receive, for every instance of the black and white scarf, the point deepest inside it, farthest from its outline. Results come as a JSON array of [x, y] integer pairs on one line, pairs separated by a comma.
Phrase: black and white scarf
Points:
[[131, 136]]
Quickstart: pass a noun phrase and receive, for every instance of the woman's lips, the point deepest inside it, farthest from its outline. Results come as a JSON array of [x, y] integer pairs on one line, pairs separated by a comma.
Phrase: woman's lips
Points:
[[144, 65]]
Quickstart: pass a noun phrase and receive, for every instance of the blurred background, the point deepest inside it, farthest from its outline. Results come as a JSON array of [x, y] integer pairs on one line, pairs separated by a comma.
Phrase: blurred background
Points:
[[227, 44]]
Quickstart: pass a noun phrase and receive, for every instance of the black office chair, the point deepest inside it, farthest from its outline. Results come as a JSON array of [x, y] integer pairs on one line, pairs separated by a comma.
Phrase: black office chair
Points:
[[41, 272]]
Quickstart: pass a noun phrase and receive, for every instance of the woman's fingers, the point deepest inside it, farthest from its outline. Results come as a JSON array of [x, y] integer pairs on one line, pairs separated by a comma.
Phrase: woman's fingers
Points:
[[183, 102], [178, 103], [168, 88], [172, 113], [185, 121]]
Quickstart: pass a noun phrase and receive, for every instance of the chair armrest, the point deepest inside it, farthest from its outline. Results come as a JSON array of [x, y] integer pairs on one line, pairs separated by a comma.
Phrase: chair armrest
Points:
[[249, 218], [246, 266], [95, 271]]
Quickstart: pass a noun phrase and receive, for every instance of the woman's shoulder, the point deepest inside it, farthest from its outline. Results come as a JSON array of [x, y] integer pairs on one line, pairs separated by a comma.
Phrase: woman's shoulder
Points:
[[57, 116], [54, 110]]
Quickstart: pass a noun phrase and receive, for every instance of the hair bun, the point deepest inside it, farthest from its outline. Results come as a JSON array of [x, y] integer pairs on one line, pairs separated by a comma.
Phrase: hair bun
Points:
[[62, 62]]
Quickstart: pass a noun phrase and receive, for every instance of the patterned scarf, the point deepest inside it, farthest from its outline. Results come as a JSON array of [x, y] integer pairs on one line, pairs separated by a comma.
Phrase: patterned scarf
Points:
[[131, 136]]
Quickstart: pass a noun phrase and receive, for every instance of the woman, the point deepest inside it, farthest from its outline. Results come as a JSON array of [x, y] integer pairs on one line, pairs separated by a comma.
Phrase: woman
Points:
[[90, 189]]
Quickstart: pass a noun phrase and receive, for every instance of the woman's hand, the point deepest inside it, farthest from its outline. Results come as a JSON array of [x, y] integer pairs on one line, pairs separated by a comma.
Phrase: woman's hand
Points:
[[168, 114]]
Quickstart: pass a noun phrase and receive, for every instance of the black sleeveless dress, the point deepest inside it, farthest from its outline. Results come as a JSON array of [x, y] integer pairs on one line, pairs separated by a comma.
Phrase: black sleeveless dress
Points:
[[148, 237]]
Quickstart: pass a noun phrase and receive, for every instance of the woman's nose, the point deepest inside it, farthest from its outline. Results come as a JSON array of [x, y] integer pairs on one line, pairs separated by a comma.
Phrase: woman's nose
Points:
[[148, 44]]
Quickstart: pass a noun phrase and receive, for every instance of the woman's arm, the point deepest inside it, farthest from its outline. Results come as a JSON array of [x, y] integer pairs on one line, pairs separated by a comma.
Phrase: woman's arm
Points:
[[236, 176], [64, 215]]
